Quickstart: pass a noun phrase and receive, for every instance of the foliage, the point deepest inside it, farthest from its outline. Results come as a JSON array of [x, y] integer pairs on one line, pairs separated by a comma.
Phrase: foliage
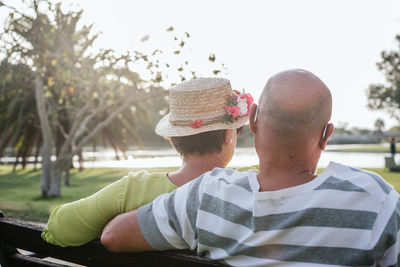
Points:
[[58, 52], [18, 117], [75, 95], [395, 129], [342, 128], [245, 138], [360, 131], [379, 124], [387, 96]]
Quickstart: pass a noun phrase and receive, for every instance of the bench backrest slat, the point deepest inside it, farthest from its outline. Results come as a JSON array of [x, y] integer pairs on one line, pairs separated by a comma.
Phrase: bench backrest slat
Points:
[[17, 260], [27, 237]]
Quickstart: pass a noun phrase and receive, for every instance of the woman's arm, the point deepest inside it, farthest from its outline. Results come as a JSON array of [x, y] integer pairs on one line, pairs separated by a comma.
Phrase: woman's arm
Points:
[[78, 222], [81, 221]]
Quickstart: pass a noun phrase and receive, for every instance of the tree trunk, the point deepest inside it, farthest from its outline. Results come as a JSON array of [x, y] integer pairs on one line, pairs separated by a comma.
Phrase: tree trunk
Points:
[[4, 140], [47, 169], [67, 176], [66, 179], [37, 155], [50, 184], [16, 160], [55, 184], [51, 179], [80, 157]]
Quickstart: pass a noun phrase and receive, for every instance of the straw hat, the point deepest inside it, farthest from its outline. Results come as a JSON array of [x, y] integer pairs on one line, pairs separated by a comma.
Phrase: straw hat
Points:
[[198, 106]]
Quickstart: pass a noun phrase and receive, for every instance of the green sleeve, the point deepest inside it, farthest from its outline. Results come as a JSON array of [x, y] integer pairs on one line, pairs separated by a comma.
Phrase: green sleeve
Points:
[[78, 222], [144, 189], [243, 169]]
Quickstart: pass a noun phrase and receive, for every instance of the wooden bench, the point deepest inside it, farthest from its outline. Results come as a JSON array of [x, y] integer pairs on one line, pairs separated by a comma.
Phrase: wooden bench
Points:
[[391, 165], [26, 236]]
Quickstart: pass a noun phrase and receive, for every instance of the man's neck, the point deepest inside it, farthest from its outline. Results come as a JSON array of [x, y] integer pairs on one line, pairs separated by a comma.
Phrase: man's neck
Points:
[[284, 172], [193, 166]]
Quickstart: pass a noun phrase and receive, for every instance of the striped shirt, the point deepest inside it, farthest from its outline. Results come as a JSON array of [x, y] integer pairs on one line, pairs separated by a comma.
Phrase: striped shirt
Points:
[[343, 217]]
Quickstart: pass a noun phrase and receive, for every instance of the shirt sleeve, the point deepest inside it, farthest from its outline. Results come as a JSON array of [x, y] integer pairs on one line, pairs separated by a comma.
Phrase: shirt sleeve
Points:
[[386, 247], [169, 222], [81, 221]]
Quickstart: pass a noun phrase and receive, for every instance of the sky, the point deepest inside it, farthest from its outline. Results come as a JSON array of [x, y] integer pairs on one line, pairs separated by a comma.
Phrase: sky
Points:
[[338, 40]]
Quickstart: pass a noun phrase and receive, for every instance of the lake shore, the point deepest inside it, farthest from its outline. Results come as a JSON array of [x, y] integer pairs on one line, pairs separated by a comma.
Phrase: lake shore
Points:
[[363, 148], [361, 156]]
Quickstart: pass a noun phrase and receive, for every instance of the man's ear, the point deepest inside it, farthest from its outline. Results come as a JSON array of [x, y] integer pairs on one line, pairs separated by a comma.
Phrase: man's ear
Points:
[[253, 117], [324, 137]]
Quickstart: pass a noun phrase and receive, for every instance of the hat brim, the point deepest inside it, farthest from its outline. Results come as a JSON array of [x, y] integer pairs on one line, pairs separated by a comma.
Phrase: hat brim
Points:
[[166, 129]]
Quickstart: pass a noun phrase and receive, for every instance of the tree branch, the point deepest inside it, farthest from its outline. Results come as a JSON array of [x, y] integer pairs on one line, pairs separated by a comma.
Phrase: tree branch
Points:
[[62, 130], [97, 129], [83, 126], [75, 126], [41, 108]]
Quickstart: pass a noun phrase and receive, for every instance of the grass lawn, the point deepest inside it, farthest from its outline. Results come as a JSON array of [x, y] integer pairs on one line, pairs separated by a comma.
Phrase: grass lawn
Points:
[[368, 148], [20, 191]]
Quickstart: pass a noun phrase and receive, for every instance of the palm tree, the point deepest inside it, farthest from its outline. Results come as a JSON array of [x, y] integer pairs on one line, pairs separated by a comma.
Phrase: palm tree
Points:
[[18, 117]]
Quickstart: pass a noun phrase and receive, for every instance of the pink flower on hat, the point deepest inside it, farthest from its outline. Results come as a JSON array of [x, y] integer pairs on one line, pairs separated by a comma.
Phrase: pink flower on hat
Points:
[[196, 124], [237, 105], [233, 110], [244, 110], [249, 100], [236, 92]]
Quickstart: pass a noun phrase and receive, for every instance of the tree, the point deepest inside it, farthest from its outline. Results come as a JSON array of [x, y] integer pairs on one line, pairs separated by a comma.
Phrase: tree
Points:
[[19, 123], [387, 96], [77, 92], [395, 129], [379, 124], [342, 128]]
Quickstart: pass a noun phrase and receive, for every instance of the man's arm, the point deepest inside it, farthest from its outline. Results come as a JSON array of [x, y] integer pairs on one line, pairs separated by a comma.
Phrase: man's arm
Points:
[[166, 223], [122, 234], [386, 232]]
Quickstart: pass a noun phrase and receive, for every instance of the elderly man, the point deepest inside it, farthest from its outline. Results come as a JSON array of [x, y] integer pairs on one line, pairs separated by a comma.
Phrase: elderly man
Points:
[[284, 214]]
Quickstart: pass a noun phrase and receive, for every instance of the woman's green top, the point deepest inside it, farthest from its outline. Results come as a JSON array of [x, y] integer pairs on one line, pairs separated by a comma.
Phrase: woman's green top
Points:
[[78, 222]]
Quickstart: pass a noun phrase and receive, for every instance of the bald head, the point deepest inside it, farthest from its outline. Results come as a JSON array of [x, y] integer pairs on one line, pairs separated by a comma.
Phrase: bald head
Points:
[[295, 102]]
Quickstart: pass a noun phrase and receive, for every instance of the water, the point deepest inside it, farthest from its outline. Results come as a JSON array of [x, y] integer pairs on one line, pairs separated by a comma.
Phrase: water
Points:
[[359, 160], [243, 157]]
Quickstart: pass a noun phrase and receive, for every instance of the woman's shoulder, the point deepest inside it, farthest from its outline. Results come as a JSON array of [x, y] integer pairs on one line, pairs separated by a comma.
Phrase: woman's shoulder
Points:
[[142, 187], [145, 175], [146, 178]]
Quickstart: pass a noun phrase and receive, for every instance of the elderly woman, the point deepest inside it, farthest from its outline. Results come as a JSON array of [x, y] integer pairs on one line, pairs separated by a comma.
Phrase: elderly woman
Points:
[[205, 117]]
